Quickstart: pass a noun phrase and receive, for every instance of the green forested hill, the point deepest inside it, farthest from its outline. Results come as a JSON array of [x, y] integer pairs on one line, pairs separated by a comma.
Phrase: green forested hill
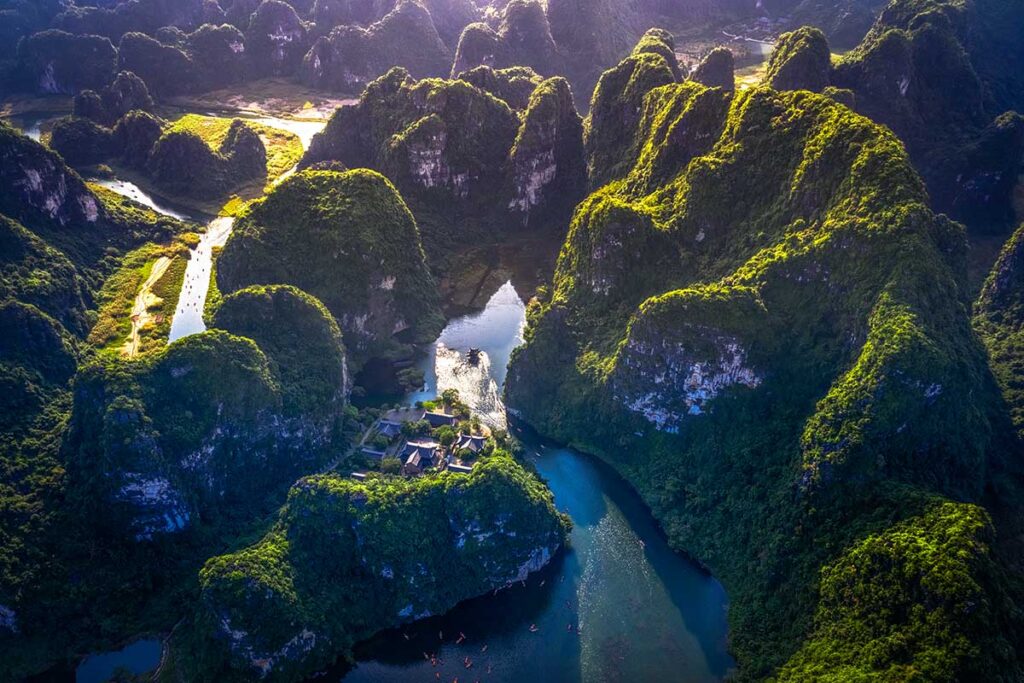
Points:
[[762, 325]]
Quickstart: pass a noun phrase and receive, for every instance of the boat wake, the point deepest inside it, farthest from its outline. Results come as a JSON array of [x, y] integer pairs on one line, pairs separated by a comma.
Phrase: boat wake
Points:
[[474, 382]]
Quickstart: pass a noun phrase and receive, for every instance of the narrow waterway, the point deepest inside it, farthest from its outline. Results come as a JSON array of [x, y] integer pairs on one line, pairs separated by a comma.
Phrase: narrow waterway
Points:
[[188, 316], [618, 605]]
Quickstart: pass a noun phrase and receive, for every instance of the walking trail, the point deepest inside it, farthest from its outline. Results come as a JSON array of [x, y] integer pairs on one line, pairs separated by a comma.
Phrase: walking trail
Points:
[[143, 302]]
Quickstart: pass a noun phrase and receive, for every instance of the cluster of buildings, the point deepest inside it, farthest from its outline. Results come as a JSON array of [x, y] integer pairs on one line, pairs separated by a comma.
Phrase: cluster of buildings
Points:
[[421, 453]]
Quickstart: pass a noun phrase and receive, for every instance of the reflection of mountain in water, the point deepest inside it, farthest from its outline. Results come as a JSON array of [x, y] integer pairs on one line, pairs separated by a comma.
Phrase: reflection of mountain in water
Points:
[[475, 384]]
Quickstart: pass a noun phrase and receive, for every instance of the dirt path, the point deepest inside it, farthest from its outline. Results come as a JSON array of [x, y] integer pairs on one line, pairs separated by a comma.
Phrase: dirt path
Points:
[[143, 301]]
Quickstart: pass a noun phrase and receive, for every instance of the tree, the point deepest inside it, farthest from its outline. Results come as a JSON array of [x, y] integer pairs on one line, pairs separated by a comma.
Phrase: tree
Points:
[[451, 397], [390, 466], [410, 429], [445, 435]]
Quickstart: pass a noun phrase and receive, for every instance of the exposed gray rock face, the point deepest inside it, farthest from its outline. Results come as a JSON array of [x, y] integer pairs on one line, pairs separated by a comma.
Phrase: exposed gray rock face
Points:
[[335, 527], [548, 169], [350, 56], [276, 39], [667, 380], [181, 435], [38, 186]]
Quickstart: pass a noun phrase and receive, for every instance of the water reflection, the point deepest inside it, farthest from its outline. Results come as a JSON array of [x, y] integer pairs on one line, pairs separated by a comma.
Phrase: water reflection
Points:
[[617, 605], [188, 316]]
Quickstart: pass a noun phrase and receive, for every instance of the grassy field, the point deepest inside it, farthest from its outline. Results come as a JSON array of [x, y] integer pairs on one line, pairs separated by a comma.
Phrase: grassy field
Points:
[[284, 149], [117, 296]]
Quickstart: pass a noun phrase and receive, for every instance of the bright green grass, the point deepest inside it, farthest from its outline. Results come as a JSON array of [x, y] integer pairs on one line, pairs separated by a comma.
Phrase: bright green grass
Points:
[[284, 149]]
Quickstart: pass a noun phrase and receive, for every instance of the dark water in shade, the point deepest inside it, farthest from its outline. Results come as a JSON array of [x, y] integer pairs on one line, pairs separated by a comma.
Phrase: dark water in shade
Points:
[[139, 657], [617, 605]]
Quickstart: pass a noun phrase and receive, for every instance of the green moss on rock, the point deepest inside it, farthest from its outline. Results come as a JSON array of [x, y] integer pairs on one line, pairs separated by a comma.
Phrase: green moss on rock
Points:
[[301, 340], [347, 559], [801, 60], [999, 320], [56, 62], [183, 163], [616, 106], [350, 56], [716, 70], [81, 141], [760, 323], [349, 240]]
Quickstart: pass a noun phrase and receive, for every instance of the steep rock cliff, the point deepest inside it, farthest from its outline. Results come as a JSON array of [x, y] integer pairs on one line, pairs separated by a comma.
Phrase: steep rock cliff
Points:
[[349, 240], [347, 559], [761, 324]]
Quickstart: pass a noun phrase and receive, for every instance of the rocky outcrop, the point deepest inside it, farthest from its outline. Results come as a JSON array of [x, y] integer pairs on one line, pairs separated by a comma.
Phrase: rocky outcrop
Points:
[[114, 19], [523, 38], [166, 69], [760, 368], [680, 355], [127, 93], [135, 134], [548, 170], [59, 63], [313, 375], [250, 621], [39, 190], [219, 56], [716, 70], [276, 39], [617, 102], [349, 240], [801, 60], [940, 74], [81, 141], [35, 273], [451, 148], [183, 163], [167, 443], [999, 321], [350, 56], [514, 85]]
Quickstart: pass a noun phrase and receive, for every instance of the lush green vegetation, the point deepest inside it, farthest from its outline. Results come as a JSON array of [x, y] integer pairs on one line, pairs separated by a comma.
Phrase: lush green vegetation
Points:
[[471, 164], [801, 60], [784, 377], [999, 320], [284, 149], [61, 240], [349, 240], [941, 73], [301, 340], [346, 559]]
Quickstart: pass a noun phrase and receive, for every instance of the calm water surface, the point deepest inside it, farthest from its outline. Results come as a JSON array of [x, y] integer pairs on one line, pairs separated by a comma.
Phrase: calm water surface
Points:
[[139, 657], [618, 605]]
